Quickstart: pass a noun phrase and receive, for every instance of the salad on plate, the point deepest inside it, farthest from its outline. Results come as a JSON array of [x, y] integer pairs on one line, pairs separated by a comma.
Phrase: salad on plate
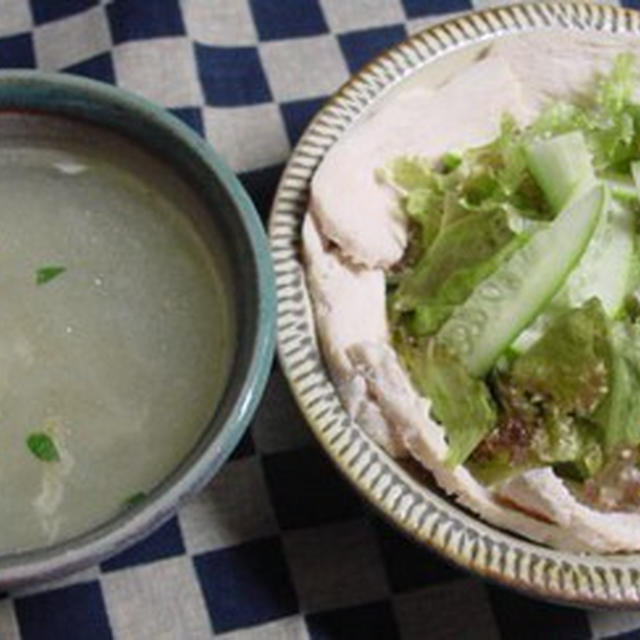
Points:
[[472, 254]]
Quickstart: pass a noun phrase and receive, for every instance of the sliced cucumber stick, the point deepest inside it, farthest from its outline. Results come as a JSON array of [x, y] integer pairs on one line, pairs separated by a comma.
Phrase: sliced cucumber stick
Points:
[[621, 186], [606, 266], [561, 166], [507, 301]]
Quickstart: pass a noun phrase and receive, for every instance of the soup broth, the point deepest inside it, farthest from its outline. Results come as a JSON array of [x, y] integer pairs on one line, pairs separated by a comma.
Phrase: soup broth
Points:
[[116, 330]]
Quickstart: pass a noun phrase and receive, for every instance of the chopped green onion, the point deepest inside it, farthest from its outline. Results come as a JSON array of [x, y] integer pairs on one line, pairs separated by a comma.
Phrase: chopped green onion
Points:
[[43, 447], [135, 499], [45, 274]]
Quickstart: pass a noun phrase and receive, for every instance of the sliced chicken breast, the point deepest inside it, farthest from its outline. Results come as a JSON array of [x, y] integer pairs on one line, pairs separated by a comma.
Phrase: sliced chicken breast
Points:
[[560, 64], [545, 493], [349, 306], [359, 214]]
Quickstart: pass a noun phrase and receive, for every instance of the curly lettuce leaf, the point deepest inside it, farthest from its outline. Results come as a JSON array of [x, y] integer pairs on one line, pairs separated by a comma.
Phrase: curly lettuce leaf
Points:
[[460, 403], [616, 119], [619, 414], [412, 172], [434, 310], [572, 448], [567, 366], [615, 90], [460, 245], [547, 399], [422, 200], [610, 122]]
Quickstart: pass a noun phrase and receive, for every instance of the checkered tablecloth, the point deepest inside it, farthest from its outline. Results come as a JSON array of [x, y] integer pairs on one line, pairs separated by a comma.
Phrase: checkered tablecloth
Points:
[[277, 546]]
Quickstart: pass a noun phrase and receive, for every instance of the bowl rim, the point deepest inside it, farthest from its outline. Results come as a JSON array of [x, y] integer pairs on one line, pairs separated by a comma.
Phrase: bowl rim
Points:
[[586, 580], [45, 92]]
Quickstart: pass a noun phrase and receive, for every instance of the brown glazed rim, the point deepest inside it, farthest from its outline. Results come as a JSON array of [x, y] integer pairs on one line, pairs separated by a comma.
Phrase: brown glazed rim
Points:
[[587, 580]]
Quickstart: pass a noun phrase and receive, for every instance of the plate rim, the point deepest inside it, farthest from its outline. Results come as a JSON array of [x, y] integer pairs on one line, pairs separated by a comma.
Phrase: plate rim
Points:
[[594, 580]]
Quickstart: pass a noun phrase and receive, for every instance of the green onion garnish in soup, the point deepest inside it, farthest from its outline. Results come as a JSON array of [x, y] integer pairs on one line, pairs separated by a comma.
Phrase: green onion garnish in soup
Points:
[[135, 499], [45, 274], [43, 447]]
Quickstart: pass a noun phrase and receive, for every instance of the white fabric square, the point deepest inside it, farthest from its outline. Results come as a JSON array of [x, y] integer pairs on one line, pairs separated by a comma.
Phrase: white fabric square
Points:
[[456, 609], [350, 16], [219, 22], [65, 42], [249, 137], [15, 17], [279, 425], [160, 601], [162, 69], [233, 509], [303, 67], [335, 566], [292, 628], [8, 623]]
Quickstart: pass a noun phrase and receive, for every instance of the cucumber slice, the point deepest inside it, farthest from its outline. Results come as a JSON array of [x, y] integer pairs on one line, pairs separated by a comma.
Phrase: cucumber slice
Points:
[[635, 174], [560, 165], [605, 269], [508, 300], [533, 332]]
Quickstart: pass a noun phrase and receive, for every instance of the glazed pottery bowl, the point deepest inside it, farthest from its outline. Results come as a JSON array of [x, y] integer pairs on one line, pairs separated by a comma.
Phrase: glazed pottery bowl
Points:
[[407, 498], [249, 292]]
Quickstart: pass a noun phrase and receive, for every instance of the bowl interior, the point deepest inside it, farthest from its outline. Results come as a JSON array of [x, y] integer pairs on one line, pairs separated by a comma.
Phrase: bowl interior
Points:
[[401, 494], [231, 230]]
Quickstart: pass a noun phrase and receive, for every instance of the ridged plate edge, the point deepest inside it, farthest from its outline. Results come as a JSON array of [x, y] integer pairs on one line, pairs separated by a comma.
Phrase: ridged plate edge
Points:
[[586, 580]]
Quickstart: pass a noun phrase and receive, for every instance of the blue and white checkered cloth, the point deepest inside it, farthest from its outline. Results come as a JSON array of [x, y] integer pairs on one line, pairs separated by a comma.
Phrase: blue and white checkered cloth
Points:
[[277, 546]]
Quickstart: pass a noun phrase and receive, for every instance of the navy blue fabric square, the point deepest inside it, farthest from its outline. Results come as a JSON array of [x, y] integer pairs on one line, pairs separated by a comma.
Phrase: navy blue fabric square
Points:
[[297, 115], [630, 4], [98, 68], [191, 116], [166, 542], [140, 20], [287, 18], [631, 635], [46, 10], [523, 618], [359, 47], [16, 52], [306, 489], [72, 613], [374, 621], [246, 585], [409, 566], [231, 76], [418, 8], [261, 185]]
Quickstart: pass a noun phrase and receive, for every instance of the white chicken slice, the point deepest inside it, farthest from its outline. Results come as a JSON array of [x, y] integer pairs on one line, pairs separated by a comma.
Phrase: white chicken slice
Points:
[[561, 64], [360, 214], [349, 306]]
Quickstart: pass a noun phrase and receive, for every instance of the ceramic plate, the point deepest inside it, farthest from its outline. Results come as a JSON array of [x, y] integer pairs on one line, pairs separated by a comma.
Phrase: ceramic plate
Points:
[[403, 496]]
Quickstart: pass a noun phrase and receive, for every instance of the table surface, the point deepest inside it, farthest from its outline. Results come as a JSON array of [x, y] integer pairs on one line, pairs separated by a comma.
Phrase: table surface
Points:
[[253, 556]]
